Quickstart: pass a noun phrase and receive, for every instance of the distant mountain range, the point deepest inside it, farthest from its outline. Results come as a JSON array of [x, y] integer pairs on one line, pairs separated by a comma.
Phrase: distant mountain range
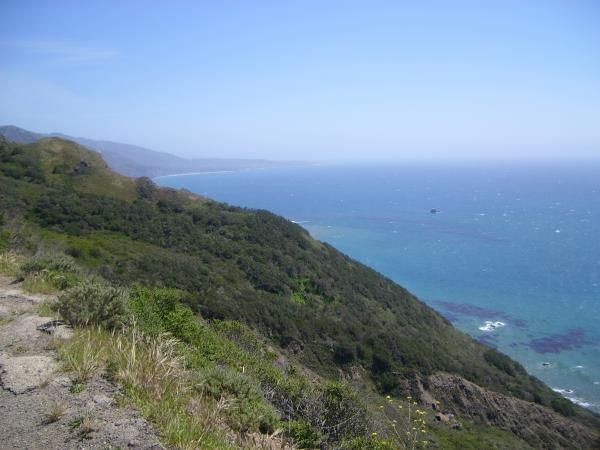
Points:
[[136, 161]]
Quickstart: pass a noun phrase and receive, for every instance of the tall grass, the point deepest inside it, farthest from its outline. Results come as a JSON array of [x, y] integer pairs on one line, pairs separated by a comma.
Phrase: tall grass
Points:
[[10, 263], [153, 376], [84, 356]]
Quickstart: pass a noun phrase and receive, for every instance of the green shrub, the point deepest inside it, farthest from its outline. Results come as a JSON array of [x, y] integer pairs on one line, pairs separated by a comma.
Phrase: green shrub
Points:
[[249, 411], [93, 303], [563, 406], [159, 310], [4, 239], [244, 337], [55, 263], [49, 281], [344, 414], [500, 360], [364, 443], [303, 434]]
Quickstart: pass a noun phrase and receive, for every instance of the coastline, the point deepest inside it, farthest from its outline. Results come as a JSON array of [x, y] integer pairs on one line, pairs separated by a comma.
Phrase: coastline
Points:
[[241, 169], [208, 172], [517, 329]]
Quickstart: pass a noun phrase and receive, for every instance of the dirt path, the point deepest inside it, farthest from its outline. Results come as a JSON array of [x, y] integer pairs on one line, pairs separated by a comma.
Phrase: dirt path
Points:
[[37, 408]]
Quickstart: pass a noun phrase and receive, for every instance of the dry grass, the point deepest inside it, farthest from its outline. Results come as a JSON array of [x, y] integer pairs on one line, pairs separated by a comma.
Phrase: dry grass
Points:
[[10, 263], [84, 424], [20, 350], [266, 441], [154, 379], [48, 379], [44, 309], [55, 412], [55, 343], [88, 425], [152, 364], [82, 357], [153, 376], [39, 283]]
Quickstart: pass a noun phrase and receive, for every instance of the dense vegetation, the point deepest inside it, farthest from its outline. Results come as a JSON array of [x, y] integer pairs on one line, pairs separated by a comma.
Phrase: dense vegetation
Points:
[[320, 307]]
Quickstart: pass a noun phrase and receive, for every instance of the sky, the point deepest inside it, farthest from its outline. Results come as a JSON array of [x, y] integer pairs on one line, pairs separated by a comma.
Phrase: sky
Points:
[[318, 80]]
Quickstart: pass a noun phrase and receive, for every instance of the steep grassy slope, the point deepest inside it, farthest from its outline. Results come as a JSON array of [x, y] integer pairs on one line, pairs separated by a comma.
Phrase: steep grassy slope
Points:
[[319, 306]]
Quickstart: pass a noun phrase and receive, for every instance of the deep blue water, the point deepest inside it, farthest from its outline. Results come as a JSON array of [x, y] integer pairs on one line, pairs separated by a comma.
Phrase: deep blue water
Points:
[[512, 243]]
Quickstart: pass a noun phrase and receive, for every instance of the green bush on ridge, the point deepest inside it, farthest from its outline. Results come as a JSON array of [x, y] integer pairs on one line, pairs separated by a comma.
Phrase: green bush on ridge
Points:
[[94, 303]]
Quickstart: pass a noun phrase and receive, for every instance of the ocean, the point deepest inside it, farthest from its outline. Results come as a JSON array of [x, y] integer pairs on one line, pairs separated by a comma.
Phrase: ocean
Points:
[[509, 252]]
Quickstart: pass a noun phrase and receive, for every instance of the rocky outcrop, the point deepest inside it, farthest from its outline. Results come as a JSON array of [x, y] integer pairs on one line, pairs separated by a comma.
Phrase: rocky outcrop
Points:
[[536, 424], [82, 167]]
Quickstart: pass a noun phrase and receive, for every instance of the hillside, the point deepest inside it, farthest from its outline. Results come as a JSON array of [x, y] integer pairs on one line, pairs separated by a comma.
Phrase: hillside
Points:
[[313, 306], [136, 161]]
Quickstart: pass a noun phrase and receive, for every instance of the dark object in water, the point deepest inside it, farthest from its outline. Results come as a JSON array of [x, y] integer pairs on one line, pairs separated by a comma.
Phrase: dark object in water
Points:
[[545, 364], [434, 210]]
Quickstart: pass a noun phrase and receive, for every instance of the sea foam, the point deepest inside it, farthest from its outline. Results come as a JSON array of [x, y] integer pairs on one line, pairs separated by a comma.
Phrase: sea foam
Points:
[[491, 325]]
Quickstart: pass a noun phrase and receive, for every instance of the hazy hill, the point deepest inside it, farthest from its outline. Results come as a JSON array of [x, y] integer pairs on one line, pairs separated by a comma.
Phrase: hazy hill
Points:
[[316, 306], [136, 161]]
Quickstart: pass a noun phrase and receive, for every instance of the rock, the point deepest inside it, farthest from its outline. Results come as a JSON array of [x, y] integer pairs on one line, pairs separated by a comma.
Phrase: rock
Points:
[[81, 167], [102, 400], [529, 421], [57, 328], [49, 327], [442, 418], [456, 426]]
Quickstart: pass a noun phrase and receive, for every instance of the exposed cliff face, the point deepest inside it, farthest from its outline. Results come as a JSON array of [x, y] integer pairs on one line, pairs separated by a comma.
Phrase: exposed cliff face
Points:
[[538, 425]]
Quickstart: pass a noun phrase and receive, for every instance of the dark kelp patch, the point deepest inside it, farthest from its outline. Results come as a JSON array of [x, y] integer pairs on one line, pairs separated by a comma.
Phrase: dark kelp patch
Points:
[[555, 343]]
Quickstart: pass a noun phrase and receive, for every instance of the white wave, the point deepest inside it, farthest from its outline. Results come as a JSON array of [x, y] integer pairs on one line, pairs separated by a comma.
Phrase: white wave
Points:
[[579, 402], [563, 391], [491, 326]]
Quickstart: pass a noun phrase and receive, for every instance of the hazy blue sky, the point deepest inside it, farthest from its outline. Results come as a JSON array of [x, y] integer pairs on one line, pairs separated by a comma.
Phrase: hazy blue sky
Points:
[[309, 79]]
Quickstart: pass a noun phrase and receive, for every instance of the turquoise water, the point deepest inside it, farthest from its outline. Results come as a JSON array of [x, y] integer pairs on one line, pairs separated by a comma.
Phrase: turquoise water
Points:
[[516, 245]]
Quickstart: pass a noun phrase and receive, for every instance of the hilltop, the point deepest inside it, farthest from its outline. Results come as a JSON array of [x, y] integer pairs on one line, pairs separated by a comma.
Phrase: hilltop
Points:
[[136, 161], [317, 316]]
